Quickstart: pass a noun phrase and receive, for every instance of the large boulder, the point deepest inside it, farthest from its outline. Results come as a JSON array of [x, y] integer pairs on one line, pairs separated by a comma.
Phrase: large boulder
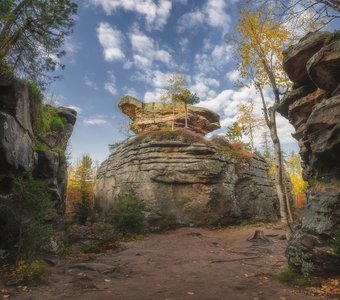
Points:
[[313, 108], [187, 179], [156, 115]]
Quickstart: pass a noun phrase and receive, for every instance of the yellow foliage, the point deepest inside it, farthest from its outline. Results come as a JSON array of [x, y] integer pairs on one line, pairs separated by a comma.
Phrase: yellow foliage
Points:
[[262, 38]]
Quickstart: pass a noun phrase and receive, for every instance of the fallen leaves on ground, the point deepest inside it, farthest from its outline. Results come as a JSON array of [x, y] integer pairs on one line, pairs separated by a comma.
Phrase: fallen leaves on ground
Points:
[[329, 288]]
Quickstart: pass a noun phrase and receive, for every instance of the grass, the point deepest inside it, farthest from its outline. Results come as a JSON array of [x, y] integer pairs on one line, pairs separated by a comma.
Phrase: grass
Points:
[[288, 275]]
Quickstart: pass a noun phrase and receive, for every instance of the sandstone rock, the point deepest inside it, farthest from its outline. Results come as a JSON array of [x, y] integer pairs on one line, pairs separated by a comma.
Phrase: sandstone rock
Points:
[[190, 183], [16, 154], [14, 100], [316, 118], [297, 56], [324, 66], [19, 111], [154, 116]]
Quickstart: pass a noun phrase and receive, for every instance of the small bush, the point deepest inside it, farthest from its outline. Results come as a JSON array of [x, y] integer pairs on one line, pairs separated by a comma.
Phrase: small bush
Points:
[[288, 275], [50, 123], [25, 219], [82, 211], [128, 215], [336, 244], [31, 273], [34, 92]]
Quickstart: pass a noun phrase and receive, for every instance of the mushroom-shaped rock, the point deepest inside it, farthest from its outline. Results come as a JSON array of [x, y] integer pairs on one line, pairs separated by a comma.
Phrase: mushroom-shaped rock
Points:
[[155, 115]]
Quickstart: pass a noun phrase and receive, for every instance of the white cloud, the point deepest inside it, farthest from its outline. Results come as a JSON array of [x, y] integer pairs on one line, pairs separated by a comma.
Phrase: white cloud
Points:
[[227, 103], [110, 86], [213, 13], [204, 86], [146, 51], [94, 121], [233, 75], [111, 41], [153, 96], [76, 108], [215, 10], [215, 59], [156, 13]]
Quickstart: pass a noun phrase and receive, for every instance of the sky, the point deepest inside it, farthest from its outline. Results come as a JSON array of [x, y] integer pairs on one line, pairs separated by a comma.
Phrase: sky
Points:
[[131, 47]]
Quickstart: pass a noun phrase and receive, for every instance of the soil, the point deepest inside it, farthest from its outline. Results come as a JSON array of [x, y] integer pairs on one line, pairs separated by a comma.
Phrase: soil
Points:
[[187, 263]]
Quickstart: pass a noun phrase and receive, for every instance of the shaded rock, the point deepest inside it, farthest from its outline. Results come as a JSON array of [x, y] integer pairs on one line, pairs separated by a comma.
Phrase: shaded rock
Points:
[[47, 164], [14, 100], [324, 66], [155, 116], [207, 186], [16, 154], [19, 133], [315, 115], [297, 56]]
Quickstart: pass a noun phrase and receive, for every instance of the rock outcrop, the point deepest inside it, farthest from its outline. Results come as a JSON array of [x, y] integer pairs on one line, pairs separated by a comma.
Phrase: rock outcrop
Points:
[[189, 181], [180, 176], [313, 108], [155, 116], [23, 150]]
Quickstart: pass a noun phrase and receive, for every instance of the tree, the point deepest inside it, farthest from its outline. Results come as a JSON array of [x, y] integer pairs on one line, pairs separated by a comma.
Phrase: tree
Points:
[[260, 42], [175, 87], [295, 173], [187, 98], [234, 132], [248, 121], [80, 189], [31, 35], [322, 11]]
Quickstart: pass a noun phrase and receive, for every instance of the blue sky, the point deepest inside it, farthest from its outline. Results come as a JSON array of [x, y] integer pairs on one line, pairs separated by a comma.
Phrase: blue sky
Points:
[[131, 47]]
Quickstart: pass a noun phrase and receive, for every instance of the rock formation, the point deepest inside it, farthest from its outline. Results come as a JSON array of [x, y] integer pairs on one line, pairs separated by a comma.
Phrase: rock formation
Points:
[[184, 178], [313, 108], [154, 116], [22, 149]]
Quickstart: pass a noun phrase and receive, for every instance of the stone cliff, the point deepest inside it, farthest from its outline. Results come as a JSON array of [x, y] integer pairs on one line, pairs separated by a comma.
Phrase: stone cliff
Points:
[[313, 108], [184, 178], [33, 138]]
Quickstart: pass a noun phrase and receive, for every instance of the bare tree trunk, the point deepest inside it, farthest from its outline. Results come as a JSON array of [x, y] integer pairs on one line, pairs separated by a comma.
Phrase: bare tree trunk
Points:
[[251, 137], [269, 115], [173, 116], [186, 115]]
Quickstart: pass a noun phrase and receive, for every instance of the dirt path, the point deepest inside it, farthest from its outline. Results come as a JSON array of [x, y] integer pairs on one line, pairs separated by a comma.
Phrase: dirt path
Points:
[[189, 263]]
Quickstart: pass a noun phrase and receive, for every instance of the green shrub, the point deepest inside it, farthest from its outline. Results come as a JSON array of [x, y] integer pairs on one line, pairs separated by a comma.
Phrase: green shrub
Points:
[[25, 218], [50, 123], [31, 273], [336, 244], [34, 92], [128, 215], [288, 275], [82, 211]]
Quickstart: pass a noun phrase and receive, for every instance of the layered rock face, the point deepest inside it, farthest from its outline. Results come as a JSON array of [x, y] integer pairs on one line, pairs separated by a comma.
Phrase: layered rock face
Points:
[[313, 108], [22, 150], [155, 116], [180, 176], [189, 182]]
